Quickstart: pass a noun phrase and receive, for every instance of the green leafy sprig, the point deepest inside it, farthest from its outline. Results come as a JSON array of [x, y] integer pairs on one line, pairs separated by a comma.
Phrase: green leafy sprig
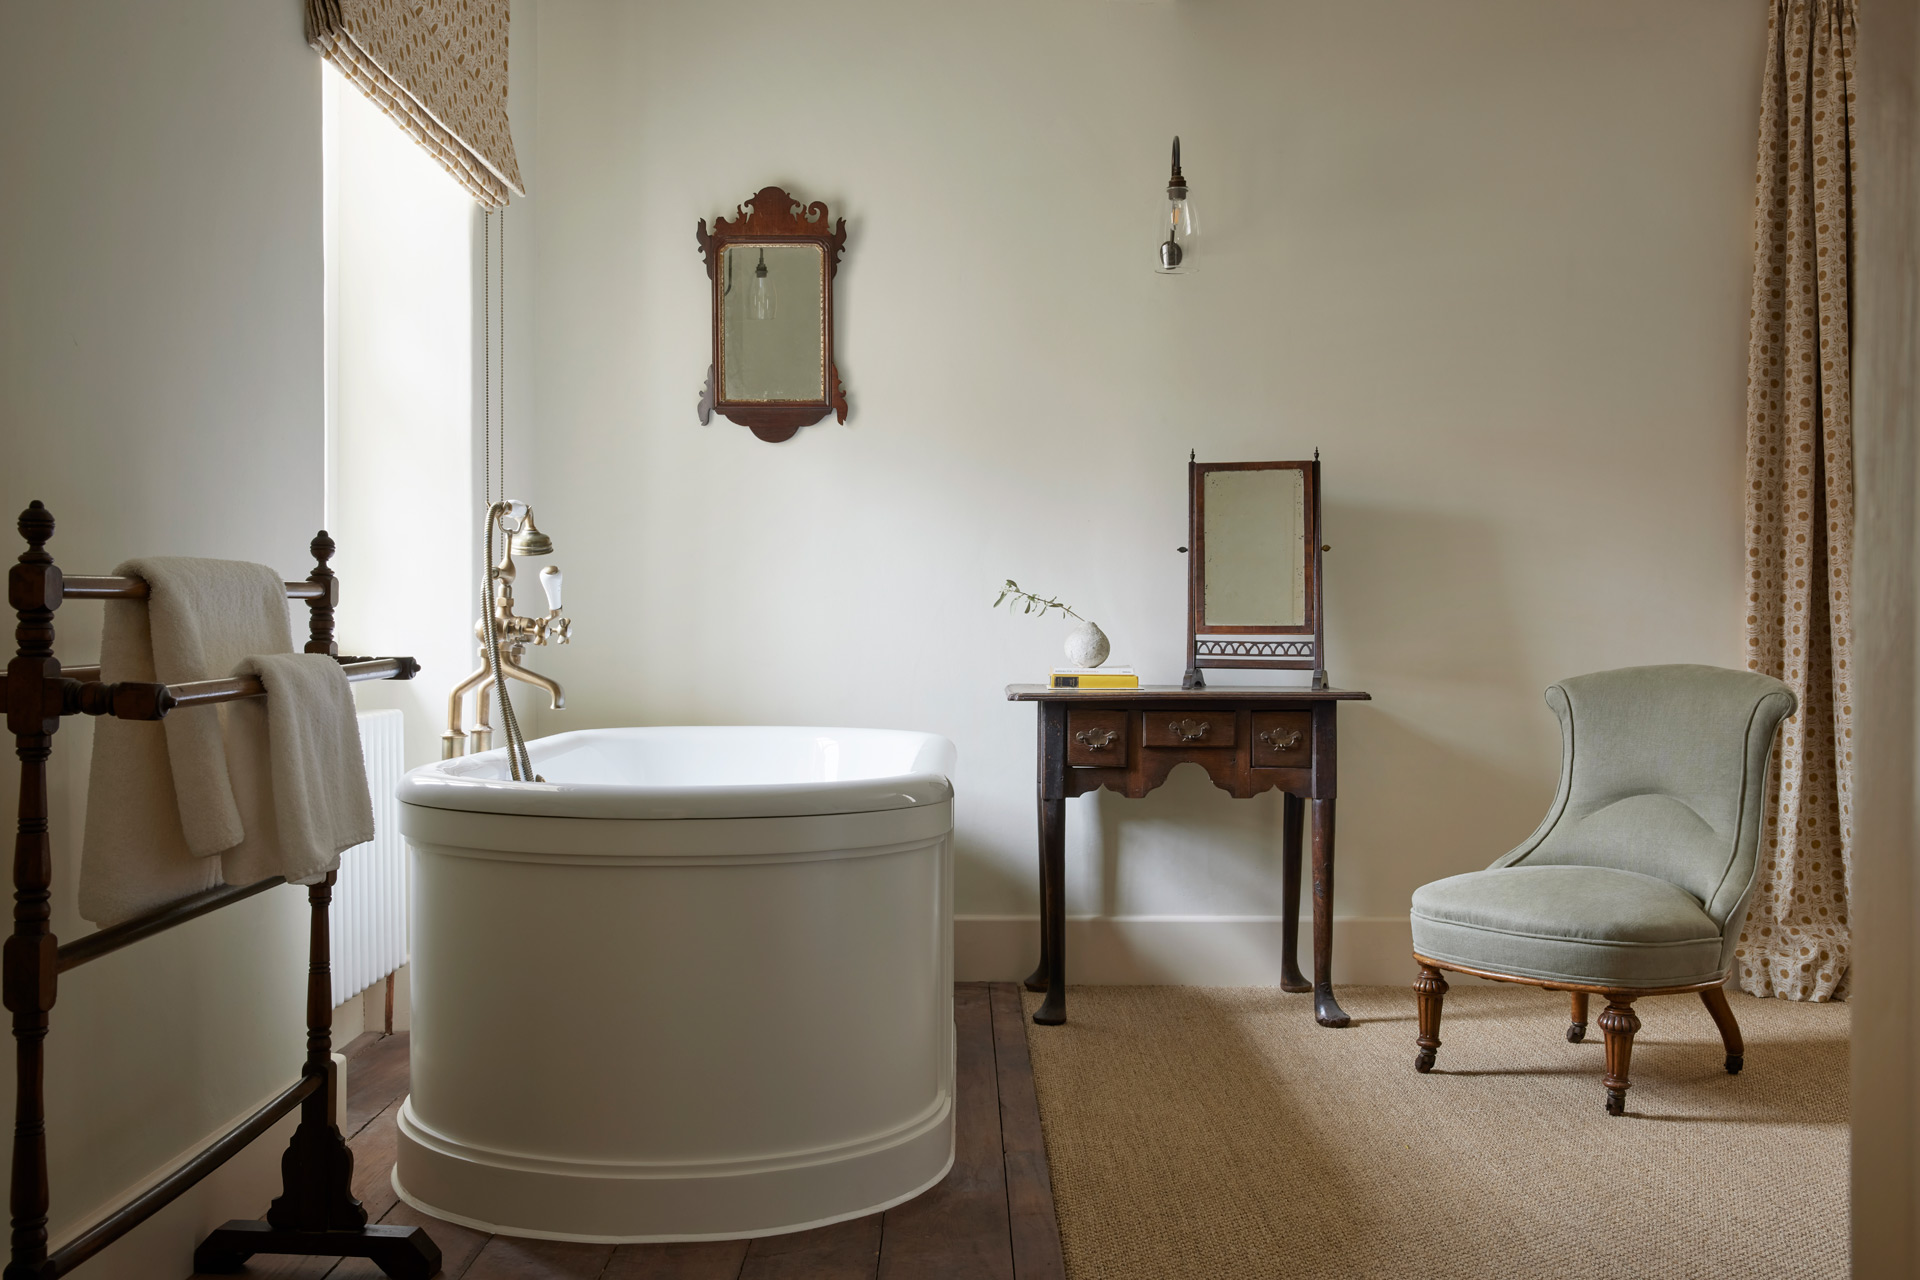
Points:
[[1028, 601]]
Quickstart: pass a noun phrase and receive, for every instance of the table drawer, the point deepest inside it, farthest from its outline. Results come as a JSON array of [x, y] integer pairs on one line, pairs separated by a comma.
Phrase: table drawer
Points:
[[1096, 739], [1189, 729], [1282, 739]]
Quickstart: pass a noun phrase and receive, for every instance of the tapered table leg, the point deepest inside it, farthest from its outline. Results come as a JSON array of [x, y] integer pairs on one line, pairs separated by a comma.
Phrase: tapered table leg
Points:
[[1052, 974], [1293, 821], [1053, 875], [1326, 1010], [1037, 980]]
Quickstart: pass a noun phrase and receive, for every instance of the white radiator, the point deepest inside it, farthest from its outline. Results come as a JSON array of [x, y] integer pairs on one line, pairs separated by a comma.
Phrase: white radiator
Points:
[[368, 920]]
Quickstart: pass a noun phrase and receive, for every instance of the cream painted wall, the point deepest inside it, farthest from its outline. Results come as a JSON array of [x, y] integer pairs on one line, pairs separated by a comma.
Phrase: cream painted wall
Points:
[[1491, 258], [160, 390]]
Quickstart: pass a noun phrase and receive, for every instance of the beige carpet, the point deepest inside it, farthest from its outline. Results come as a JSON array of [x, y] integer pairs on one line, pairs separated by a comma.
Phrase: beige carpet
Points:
[[1218, 1132]]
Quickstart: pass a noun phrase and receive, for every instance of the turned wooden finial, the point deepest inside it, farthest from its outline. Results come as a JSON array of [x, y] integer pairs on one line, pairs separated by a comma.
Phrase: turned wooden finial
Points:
[[36, 526], [320, 619], [34, 589]]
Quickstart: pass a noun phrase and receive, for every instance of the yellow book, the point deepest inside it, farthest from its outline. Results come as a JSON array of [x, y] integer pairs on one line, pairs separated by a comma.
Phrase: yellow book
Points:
[[1093, 678]]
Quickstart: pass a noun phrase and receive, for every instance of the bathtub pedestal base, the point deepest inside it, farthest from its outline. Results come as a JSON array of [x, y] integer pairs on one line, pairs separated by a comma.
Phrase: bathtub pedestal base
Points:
[[623, 1204]]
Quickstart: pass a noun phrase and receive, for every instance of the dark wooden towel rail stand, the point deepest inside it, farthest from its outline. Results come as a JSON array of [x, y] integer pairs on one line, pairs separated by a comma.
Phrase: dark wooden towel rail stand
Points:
[[316, 1213]]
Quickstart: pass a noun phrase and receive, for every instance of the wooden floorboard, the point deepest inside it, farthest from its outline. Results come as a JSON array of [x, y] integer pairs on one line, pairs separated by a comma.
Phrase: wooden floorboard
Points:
[[704, 1260], [1034, 1228], [991, 1218], [958, 1230], [376, 1079], [843, 1251]]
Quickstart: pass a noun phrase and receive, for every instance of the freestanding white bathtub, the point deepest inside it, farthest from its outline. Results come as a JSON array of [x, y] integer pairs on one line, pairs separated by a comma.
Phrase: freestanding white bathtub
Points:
[[696, 984]]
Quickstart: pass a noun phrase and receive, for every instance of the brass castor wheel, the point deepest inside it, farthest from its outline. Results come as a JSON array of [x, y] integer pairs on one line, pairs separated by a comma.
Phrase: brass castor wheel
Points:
[[1734, 1063], [1576, 1033], [1423, 1061], [1616, 1102]]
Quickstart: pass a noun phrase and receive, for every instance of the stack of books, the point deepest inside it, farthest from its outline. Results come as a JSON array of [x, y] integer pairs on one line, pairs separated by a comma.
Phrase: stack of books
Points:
[[1093, 678]]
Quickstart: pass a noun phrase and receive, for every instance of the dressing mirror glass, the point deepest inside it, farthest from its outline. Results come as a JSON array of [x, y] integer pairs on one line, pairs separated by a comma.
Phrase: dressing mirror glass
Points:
[[773, 329], [1256, 548], [771, 267], [1253, 586]]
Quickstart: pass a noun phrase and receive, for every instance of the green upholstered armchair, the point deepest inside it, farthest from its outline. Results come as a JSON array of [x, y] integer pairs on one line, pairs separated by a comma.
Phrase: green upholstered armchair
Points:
[[1637, 881]]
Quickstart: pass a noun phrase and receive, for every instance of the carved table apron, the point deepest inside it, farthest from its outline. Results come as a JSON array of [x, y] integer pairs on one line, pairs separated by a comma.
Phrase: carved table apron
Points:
[[1248, 739]]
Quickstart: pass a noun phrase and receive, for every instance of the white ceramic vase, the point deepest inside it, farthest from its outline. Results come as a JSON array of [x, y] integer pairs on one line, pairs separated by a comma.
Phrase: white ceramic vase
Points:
[[1087, 646]]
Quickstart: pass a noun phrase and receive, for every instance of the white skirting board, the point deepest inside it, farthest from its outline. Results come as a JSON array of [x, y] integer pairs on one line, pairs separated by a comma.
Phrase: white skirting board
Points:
[[1189, 951]]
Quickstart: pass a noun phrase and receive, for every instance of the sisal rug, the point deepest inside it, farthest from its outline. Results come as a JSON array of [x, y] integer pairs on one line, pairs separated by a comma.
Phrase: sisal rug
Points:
[[1219, 1132]]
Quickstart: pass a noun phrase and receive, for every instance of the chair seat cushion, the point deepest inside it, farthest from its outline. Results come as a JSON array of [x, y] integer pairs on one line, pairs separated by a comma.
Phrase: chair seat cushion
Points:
[[1592, 925]]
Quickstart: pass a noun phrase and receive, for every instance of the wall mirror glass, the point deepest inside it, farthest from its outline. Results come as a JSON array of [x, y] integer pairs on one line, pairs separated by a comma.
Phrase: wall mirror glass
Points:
[[771, 267], [1253, 586], [772, 331]]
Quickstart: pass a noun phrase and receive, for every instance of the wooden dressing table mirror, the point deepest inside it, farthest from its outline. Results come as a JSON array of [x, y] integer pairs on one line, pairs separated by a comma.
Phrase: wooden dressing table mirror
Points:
[[1253, 602]]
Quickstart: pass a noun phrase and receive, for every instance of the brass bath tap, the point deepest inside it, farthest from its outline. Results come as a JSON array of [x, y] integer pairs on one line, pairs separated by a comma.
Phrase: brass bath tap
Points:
[[505, 641]]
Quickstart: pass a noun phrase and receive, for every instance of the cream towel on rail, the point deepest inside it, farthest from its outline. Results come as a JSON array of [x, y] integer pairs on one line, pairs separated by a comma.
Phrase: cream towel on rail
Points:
[[313, 772], [160, 797]]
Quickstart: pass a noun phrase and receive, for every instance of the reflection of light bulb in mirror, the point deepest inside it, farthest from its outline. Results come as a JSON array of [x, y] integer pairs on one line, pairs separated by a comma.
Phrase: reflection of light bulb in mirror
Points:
[[762, 297]]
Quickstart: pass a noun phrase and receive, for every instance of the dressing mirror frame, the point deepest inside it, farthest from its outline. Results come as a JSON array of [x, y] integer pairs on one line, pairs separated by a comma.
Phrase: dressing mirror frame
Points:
[[1297, 647], [773, 217]]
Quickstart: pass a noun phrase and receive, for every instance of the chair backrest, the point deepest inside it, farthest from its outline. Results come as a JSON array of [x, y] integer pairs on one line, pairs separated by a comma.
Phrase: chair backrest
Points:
[[1663, 770]]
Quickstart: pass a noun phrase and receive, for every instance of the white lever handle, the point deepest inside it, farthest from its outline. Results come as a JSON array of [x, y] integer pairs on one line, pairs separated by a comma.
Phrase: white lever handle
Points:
[[550, 583]]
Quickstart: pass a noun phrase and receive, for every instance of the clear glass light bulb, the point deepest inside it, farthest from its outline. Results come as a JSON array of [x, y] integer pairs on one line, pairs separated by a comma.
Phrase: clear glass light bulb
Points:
[[1180, 218], [761, 297]]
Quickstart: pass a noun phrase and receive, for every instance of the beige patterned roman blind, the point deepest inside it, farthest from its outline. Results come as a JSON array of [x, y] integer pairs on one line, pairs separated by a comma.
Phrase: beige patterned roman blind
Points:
[[438, 68]]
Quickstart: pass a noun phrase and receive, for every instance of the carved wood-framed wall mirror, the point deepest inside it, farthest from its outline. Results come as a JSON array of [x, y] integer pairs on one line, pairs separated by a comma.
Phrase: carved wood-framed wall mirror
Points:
[[1253, 568], [771, 268]]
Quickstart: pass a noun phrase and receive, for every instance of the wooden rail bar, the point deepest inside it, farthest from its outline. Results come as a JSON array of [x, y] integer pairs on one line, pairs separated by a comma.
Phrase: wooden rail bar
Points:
[[133, 700], [105, 941], [110, 588], [160, 1194]]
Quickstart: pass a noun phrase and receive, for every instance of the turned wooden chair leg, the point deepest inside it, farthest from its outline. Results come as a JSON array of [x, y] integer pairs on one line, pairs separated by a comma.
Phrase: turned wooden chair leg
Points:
[[1431, 989], [1715, 998], [1577, 1029], [1618, 1022]]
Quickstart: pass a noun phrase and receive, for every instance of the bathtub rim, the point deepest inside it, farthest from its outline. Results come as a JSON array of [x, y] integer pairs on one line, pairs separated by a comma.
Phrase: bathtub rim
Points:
[[433, 786]]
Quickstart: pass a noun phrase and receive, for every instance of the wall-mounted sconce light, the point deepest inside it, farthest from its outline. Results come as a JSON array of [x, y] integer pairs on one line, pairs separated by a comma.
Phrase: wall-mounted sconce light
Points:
[[1176, 223]]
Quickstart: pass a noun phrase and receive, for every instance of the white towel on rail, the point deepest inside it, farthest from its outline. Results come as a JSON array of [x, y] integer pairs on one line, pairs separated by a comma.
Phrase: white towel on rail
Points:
[[313, 772], [160, 797]]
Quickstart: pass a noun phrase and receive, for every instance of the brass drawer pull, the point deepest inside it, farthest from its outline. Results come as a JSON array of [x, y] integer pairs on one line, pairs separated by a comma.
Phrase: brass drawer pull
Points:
[[1280, 740], [1188, 730], [1095, 739]]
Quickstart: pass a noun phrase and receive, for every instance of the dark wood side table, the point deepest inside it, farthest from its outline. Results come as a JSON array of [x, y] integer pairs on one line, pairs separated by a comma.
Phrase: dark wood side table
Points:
[[1248, 740]]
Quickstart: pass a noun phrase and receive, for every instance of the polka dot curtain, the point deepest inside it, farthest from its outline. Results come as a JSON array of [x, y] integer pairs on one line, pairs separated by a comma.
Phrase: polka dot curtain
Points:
[[438, 68], [1795, 942]]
